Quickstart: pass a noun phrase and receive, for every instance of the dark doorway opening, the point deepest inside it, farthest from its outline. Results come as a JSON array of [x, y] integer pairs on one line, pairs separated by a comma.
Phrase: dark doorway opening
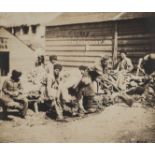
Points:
[[4, 63]]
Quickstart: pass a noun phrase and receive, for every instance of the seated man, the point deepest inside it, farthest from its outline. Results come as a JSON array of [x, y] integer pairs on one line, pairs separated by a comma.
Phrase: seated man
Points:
[[124, 67], [125, 64], [12, 95], [50, 65]]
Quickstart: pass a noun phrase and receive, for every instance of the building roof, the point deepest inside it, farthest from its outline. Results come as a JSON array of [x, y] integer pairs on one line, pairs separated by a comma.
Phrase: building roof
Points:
[[82, 17], [134, 15], [24, 18], [92, 17], [5, 34], [55, 18]]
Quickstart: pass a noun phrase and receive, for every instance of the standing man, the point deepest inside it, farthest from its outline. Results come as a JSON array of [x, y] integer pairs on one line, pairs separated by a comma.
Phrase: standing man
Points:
[[12, 95], [50, 65], [40, 77], [124, 67]]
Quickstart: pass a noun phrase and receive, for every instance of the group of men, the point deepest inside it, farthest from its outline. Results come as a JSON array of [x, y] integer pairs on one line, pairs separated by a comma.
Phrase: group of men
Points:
[[80, 96]]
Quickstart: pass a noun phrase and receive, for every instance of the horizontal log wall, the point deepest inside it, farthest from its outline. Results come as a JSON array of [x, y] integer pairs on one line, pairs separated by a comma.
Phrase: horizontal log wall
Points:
[[85, 43], [136, 37], [82, 44]]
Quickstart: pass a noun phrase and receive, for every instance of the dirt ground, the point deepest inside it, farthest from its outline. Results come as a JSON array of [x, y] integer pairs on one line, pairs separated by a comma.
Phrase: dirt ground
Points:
[[117, 123]]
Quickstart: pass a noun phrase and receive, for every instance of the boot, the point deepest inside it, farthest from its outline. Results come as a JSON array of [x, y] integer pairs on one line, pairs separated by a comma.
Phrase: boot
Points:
[[60, 118]]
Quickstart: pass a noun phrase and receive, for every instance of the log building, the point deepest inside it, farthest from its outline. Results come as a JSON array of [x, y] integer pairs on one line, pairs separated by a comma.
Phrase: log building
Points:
[[82, 38]]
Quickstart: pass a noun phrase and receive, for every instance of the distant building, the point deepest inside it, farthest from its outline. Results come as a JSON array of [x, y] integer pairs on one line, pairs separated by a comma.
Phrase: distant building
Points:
[[14, 54], [28, 27], [32, 35]]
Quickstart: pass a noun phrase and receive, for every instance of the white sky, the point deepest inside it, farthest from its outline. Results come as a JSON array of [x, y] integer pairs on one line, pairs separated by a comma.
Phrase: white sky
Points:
[[15, 19]]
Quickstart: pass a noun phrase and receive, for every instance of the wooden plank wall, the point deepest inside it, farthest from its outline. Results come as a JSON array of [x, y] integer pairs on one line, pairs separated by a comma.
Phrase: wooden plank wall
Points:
[[82, 44], [136, 37], [86, 43]]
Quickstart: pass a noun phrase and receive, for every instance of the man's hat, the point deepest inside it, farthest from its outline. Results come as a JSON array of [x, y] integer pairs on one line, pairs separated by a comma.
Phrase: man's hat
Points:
[[104, 58], [16, 73], [58, 66], [82, 67], [53, 57]]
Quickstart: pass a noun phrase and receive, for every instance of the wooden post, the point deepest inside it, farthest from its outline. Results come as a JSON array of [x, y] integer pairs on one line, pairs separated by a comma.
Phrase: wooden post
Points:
[[12, 30], [21, 31], [115, 45], [36, 106], [30, 30]]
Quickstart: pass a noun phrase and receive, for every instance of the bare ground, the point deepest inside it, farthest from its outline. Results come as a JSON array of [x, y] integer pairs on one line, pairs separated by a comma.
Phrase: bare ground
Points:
[[117, 123]]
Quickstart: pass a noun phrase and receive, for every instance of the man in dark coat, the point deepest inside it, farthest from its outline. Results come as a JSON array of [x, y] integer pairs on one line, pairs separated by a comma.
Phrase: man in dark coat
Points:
[[147, 64]]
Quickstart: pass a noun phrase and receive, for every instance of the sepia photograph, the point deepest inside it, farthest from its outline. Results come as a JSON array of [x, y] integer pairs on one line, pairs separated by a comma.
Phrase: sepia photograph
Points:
[[77, 77]]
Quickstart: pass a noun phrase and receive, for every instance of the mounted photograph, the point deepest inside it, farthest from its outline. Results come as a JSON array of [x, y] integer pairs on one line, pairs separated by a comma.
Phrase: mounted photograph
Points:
[[77, 77]]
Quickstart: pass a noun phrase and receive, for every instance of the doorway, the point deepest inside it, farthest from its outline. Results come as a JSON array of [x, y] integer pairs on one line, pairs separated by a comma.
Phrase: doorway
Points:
[[4, 63]]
